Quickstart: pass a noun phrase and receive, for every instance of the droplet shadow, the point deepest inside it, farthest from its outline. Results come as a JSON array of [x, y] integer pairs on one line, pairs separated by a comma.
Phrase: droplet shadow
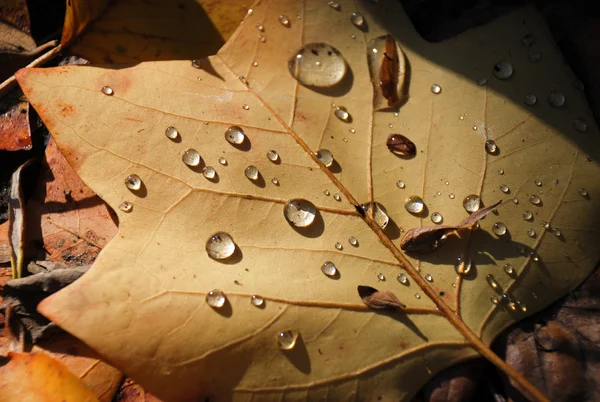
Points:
[[335, 167], [259, 181], [298, 356], [198, 168], [225, 310], [235, 258], [392, 230], [142, 192], [244, 146]]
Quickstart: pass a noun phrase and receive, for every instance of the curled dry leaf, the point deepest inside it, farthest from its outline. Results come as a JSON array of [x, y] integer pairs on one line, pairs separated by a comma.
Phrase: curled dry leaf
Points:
[[16, 226], [429, 238], [377, 300], [156, 277]]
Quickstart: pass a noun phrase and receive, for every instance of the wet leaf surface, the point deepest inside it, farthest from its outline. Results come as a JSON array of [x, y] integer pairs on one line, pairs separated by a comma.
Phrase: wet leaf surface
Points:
[[157, 265]]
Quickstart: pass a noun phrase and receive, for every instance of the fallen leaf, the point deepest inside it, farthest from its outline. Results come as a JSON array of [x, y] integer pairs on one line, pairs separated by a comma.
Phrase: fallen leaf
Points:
[[15, 133], [37, 377], [132, 392], [4, 243], [377, 300], [131, 31], [429, 238], [16, 223], [155, 276]]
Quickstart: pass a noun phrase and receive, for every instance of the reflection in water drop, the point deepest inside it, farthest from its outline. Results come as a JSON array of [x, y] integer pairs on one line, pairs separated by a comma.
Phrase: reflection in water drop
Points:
[[235, 135], [463, 265], [387, 68], [436, 217], [400, 184], [329, 268], [352, 240], [108, 91], [215, 298], [381, 277], [191, 157], [535, 200], [299, 212], [133, 182], [272, 155], [220, 246], [436, 89], [491, 147], [471, 203], [342, 113], [223, 161], [126, 206], [379, 213], [428, 278], [499, 228], [357, 19], [414, 204], [287, 339], [251, 172], [317, 65], [325, 157], [257, 300], [209, 172], [284, 20], [172, 133], [527, 215], [402, 278]]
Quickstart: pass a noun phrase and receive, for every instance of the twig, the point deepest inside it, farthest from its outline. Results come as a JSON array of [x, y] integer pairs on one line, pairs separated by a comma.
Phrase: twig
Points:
[[6, 85]]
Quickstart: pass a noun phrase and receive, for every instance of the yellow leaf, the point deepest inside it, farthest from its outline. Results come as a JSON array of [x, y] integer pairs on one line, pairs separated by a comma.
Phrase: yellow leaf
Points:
[[142, 305]]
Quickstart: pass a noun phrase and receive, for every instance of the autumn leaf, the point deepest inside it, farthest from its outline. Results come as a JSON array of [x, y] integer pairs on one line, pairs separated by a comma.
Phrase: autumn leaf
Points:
[[306, 333]]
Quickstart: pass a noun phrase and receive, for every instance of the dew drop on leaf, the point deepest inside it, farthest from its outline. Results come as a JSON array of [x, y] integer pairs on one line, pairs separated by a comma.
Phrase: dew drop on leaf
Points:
[[463, 265], [494, 299], [504, 188], [499, 228], [223, 161], [491, 147], [414, 204], [209, 172], [471, 203], [436, 217], [534, 57], [580, 125], [503, 70], [334, 4], [172, 133], [357, 19], [339, 246], [500, 171], [325, 157], [352, 240], [403, 279], [493, 282], [337, 197], [451, 196], [272, 155], [535, 200], [527, 215], [436, 89], [299, 212], [342, 113], [191, 157], [538, 183], [260, 27], [531, 233], [275, 181], [326, 192], [133, 182], [400, 145], [380, 215], [400, 184], [534, 256], [126, 206], [583, 192], [262, 39], [235, 135], [428, 278], [556, 232], [556, 98], [417, 296], [546, 225], [530, 99], [329, 268], [508, 269], [108, 91], [220, 246], [284, 20], [317, 65], [381, 277], [287, 339], [515, 200], [251, 172], [257, 300], [215, 298]]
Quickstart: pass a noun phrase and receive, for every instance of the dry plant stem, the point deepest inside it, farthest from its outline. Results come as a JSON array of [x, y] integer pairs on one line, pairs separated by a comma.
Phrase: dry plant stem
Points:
[[9, 82], [531, 391]]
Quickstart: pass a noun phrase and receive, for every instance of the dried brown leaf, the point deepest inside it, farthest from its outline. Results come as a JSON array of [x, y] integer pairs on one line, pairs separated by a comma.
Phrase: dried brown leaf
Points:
[[377, 300]]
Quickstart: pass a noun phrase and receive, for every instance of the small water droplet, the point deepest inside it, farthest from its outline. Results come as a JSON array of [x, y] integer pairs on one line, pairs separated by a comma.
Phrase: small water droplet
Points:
[[334, 4], [325, 157], [326, 192], [379, 213], [535, 200], [461, 117], [436, 89], [556, 98], [353, 36], [528, 40], [337, 197], [284, 20], [534, 57], [191, 157], [418, 296], [503, 70], [251, 172], [522, 306], [580, 125], [428, 278], [223, 161], [381, 277], [275, 181], [494, 299], [299, 212], [527, 215], [482, 81], [463, 265], [451, 196], [342, 113], [133, 182], [583, 192], [403, 279], [436, 217], [508, 269], [255, 63], [499, 228], [531, 233], [414, 204], [471, 203], [530, 99], [500, 171], [546, 225], [438, 193], [243, 80], [515, 200], [220, 246], [329, 268], [126, 206], [352, 131], [474, 128], [538, 183], [504, 188], [261, 38], [108, 91], [330, 71], [257, 300], [260, 27], [215, 298], [339, 246], [390, 125], [446, 182], [196, 64], [245, 107], [172, 133], [357, 19], [491, 147], [493, 282], [556, 232], [534, 256], [400, 184], [352, 240], [209, 172], [250, 11], [272, 155], [287, 339]]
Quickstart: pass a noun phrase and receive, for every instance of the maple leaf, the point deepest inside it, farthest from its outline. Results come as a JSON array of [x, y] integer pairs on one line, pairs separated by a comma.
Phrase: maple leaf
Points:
[[142, 305]]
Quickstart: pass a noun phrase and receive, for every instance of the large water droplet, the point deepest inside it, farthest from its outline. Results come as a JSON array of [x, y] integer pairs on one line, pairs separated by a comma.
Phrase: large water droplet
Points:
[[436, 89], [342, 113], [126, 206], [317, 65], [527, 215], [299, 212], [172, 133], [209, 172], [257, 300], [108, 91], [503, 70], [287, 339], [379, 213], [191, 157], [414, 204], [504, 188], [133, 182], [535, 200], [530, 99], [215, 298], [352, 240], [220, 246], [580, 125], [403, 279], [272, 155], [499, 228], [436, 217], [325, 156], [463, 265], [357, 19], [251, 172], [491, 147], [329, 268], [556, 98], [493, 282], [387, 67], [235, 135], [471, 203]]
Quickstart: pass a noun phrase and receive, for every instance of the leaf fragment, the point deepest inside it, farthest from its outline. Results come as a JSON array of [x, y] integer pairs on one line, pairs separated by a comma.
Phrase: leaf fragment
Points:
[[16, 219], [388, 72], [426, 239], [401, 146], [379, 300]]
